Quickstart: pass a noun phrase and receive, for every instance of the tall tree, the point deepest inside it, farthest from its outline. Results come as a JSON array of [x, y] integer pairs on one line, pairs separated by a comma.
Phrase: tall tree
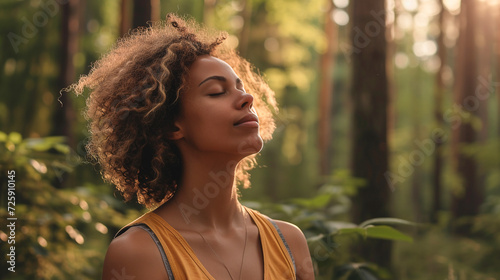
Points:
[[485, 56], [391, 83], [369, 97], [144, 12], [438, 117], [124, 17], [64, 116], [484, 52], [466, 202], [246, 14], [497, 54], [416, 176], [326, 87]]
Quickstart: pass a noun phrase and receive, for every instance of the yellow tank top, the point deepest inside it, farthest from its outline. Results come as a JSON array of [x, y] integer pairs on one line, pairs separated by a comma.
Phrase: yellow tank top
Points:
[[181, 262]]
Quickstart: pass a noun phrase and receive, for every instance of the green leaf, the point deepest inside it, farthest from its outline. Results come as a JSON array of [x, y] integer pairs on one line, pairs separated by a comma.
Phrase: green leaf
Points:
[[44, 144], [62, 148], [360, 231], [316, 202], [387, 232], [315, 238], [379, 232], [386, 221], [339, 225], [15, 137], [3, 136]]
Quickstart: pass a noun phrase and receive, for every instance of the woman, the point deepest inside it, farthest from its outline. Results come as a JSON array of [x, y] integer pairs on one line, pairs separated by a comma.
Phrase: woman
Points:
[[176, 121]]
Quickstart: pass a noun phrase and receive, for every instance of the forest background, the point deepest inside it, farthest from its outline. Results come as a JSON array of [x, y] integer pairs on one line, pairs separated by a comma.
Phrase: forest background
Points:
[[386, 153]]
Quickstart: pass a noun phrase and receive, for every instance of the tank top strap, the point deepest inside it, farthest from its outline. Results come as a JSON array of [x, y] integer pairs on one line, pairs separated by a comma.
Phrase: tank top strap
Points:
[[284, 242], [151, 233]]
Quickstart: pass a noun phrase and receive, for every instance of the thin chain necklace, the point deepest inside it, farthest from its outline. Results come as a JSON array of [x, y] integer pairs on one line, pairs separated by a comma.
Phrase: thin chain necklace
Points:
[[212, 249]]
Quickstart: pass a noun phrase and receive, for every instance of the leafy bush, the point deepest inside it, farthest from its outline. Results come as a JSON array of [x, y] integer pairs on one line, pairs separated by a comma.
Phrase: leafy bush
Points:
[[60, 233], [329, 239]]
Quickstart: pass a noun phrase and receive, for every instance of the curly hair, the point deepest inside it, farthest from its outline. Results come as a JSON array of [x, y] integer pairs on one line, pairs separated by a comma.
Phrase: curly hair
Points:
[[134, 101]]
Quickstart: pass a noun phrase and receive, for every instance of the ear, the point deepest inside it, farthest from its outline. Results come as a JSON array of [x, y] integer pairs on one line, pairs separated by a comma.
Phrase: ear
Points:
[[176, 132]]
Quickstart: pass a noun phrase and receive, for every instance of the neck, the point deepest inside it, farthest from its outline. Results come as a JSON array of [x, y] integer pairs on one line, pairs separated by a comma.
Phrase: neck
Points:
[[207, 194]]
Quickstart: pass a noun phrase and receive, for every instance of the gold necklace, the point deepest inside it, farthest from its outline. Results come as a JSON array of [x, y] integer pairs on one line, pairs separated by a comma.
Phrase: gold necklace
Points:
[[212, 249]]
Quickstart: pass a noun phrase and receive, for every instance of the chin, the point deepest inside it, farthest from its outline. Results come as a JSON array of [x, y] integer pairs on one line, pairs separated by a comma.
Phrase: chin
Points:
[[251, 146]]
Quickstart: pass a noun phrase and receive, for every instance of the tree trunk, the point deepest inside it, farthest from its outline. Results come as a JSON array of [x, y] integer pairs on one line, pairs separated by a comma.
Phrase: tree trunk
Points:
[[327, 62], [64, 117], [369, 96], [416, 181], [124, 17], [466, 202], [391, 84], [483, 89], [246, 14], [484, 58], [497, 55], [144, 12], [70, 26], [438, 118]]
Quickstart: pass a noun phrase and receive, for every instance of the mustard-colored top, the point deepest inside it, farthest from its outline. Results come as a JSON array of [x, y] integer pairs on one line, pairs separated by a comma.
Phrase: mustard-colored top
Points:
[[181, 262]]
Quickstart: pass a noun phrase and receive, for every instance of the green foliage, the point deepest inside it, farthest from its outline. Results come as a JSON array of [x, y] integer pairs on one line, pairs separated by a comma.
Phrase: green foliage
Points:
[[329, 240], [59, 233], [355, 271], [487, 155], [438, 252]]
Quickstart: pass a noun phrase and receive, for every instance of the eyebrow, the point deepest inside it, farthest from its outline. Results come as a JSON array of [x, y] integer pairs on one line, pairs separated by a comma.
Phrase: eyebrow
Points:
[[219, 78]]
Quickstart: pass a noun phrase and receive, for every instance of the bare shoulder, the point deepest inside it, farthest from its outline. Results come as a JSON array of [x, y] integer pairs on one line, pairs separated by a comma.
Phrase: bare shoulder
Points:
[[135, 255], [290, 231], [300, 251]]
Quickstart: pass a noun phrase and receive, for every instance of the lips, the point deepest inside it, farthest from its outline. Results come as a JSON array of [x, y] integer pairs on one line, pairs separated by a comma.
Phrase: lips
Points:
[[250, 119]]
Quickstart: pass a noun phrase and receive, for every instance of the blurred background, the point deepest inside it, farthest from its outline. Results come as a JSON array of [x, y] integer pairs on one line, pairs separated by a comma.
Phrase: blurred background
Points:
[[386, 153]]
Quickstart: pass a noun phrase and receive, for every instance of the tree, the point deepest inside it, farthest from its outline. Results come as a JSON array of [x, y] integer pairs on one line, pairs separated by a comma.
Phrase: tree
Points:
[[438, 117], [124, 17], [497, 55], [467, 200], [244, 36], [144, 12], [325, 92], [64, 117], [369, 97]]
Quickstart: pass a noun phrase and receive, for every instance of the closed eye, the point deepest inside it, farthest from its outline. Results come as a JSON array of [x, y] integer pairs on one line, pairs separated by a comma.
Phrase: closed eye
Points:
[[216, 94]]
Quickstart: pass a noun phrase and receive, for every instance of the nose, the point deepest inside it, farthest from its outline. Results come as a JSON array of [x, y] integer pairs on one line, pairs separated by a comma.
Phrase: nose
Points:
[[245, 100]]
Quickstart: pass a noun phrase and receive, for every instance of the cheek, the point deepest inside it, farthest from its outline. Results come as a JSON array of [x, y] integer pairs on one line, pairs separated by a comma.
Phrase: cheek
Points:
[[207, 125]]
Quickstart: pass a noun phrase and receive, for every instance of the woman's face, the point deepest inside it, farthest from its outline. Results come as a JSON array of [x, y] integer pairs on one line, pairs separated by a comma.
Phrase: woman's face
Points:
[[217, 115]]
